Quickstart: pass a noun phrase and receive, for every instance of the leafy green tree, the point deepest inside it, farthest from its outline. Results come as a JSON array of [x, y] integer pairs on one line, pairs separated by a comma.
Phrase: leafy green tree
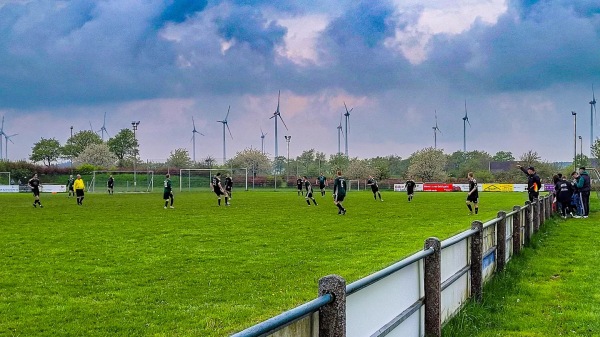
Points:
[[97, 155], [428, 165], [78, 142], [123, 145], [252, 159], [529, 158], [503, 156], [380, 167], [358, 169], [46, 151], [179, 158], [596, 149], [338, 161]]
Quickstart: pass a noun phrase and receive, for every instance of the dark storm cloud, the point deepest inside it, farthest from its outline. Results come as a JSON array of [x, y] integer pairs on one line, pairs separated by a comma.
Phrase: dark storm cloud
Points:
[[532, 46]]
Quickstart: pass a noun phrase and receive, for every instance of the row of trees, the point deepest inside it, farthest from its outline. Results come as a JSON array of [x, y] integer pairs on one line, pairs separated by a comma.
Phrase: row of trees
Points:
[[429, 164]]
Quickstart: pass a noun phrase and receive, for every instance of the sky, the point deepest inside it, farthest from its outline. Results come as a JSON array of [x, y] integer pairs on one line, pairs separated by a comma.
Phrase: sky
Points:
[[520, 66]]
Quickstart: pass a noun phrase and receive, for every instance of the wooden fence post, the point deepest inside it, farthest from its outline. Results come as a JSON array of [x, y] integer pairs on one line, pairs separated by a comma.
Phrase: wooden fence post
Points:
[[477, 261], [433, 289], [332, 317], [542, 202], [501, 241], [516, 225], [527, 222], [536, 215]]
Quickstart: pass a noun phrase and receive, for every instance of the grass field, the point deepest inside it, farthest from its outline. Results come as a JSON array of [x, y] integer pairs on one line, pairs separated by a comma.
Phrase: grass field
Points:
[[122, 265]]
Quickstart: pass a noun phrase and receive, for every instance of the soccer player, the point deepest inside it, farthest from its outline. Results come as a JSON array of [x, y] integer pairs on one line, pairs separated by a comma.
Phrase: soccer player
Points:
[[473, 196], [299, 186], [79, 187], [217, 188], [111, 185], [322, 181], [339, 192], [410, 188], [167, 191], [70, 186], [34, 184], [228, 187], [533, 182], [309, 191], [374, 187]]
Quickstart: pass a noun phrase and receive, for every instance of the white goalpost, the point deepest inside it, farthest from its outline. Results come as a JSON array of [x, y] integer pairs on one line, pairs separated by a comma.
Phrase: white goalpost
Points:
[[194, 178], [124, 181], [354, 184]]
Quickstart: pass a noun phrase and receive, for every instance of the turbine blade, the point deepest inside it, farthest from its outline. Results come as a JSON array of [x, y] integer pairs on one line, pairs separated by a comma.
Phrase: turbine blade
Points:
[[227, 113], [104, 123], [193, 123], [283, 122], [229, 130], [278, 96]]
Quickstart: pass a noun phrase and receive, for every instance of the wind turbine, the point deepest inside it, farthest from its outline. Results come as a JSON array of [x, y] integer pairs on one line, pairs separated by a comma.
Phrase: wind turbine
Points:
[[592, 114], [262, 140], [103, 128], [436, 129], [224, 122], [347, 114], [7, 138], [1, 134], [340, 134], [194, 132], [465, 121], [277, 114]]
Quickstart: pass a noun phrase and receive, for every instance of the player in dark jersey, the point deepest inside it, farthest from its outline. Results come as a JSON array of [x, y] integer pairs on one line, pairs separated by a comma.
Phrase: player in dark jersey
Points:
[[410, 188], [309, 191], [374, 187], [34, 184], [110, 184], [70, 186], [299, 186], [473, 196], [228, 187], [339, 192], [217, 188], [322, 181], [167, 191]]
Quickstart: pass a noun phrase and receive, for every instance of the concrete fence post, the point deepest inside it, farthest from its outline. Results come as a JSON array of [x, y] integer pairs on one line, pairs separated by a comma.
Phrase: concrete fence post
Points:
[[536, 215], [477, 261], [527, 222], [501, 242], [332, 317], [516, 226], [433, 289]]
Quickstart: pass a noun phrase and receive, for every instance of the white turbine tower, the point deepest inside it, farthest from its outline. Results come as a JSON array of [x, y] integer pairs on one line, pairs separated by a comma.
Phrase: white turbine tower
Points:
[[277, 115], [225, 124], [436, 129], [2, 134], [465, 121], [194, 132], [7, 138], [340, 134], [592, 115], [347, 114]]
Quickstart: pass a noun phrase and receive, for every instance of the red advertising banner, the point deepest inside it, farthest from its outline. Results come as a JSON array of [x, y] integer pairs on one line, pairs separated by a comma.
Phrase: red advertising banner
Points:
[[437, 187]]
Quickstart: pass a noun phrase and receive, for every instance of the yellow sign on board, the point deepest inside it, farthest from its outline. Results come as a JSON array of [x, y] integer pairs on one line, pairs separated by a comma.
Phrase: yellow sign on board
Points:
[[498, 187]]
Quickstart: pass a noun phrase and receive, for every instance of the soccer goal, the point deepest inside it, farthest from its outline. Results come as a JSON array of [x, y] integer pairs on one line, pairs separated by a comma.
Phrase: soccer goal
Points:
[[5, 178], [193, 179], [355, 185], [124, 181]]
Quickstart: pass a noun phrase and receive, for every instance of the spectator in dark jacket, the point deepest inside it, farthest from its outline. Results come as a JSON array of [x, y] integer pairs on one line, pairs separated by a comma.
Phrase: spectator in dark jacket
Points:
[[563, 191], [533, 182], [584, 186]]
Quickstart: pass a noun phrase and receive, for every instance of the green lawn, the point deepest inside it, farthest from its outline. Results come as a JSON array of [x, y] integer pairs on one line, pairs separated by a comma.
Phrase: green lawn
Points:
[[122, 265], [550, 289]]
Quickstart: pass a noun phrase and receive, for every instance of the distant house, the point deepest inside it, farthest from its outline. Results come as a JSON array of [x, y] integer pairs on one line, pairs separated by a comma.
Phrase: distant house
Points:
[[502, 166]]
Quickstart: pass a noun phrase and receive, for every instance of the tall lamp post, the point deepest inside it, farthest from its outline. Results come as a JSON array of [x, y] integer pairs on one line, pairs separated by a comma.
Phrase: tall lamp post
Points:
[[580, 148], [71, 153], [134, 124], [287, 170], [575, 139]]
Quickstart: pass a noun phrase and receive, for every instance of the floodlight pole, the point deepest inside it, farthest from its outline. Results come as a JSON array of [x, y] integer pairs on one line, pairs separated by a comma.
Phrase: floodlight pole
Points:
[[580, 148], [71, 153], [287, 170], [134, 124], [575, 139]]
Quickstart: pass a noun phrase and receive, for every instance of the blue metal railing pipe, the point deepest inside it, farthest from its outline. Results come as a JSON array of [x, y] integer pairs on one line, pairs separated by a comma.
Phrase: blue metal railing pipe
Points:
[[357, 285], [458, 238], [285, 318]]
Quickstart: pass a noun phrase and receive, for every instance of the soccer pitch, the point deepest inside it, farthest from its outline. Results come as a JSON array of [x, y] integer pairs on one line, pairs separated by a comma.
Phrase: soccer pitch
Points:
[[122, 265]]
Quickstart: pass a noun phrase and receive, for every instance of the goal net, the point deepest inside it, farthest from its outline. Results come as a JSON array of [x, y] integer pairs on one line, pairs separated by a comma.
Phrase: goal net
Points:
[[192, 179], [355, 185], [5, 178], [124, 181]]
